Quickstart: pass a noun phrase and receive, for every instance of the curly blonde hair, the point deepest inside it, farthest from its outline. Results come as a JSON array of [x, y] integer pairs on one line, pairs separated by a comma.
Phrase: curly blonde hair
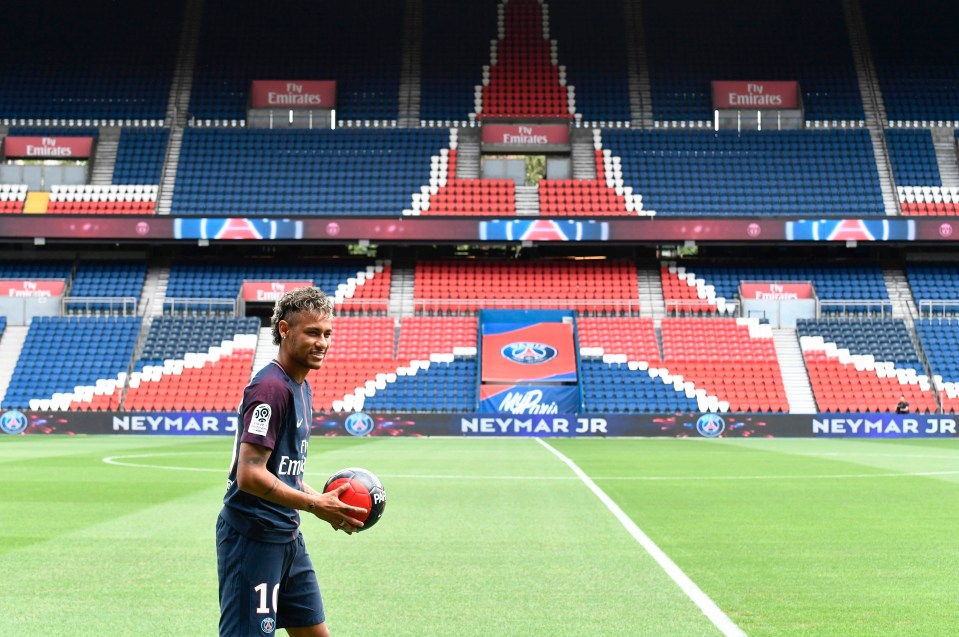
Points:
[[307, 299]]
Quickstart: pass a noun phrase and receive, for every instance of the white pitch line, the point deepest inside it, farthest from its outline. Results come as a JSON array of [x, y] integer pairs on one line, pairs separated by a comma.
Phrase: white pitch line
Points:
[[120, 461], [701, 599]]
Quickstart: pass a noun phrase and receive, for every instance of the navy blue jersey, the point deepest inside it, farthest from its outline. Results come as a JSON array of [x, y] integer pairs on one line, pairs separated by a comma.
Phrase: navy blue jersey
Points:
[[276, 413]]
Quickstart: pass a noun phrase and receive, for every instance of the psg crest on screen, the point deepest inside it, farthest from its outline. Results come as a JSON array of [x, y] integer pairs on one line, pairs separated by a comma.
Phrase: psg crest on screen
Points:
[[366, 492], [528, 353]]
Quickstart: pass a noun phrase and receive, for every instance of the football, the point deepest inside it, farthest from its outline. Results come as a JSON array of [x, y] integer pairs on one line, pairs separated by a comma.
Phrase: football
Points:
[[366, 491]]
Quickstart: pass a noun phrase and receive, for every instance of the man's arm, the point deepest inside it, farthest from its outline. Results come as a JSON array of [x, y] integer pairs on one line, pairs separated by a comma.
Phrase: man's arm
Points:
[[254, 478]]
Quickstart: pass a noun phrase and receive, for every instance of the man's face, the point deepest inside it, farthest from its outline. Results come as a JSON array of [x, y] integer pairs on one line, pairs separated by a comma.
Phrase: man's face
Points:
[[306, 339]]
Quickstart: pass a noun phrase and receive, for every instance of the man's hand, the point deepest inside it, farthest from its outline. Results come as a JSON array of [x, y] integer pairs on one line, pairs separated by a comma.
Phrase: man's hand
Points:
[[339, 514]]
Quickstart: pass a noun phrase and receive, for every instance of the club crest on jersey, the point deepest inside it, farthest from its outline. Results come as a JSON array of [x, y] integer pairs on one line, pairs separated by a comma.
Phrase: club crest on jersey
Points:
[[268, 625], [260, 420], [528, 353]]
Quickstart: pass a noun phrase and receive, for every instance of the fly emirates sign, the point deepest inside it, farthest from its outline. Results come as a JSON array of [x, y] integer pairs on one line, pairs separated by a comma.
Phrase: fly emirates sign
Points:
[[755, 95], [293, 94]]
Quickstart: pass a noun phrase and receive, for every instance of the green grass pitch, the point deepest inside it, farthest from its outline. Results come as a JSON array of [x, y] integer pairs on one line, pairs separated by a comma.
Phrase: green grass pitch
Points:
[[115, 536]]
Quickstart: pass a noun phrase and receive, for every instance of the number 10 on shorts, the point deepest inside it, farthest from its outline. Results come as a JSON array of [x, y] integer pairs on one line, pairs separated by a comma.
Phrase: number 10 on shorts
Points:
[[261, 590]]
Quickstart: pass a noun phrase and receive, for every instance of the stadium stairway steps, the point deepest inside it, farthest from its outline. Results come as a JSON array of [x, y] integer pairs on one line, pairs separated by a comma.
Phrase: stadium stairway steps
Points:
[[900, 295], [944, 141], [468, 153], [154, 291], [863, 59], [890, 200], [411, 65], [14, 336], [265, 350], [873, 106], [401, 292], [178, 104], [793, 369], [168, 183], [527, 201], [652, 303], [105, 157], [637, 71], [582, 153]]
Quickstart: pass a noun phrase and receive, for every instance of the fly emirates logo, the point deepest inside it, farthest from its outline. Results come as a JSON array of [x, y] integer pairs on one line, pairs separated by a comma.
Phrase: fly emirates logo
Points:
[[293, 466]]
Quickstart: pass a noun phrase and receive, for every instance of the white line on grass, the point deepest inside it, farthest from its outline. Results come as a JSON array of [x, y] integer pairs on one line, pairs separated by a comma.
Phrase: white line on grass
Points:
[[123, 461], [701, 599]]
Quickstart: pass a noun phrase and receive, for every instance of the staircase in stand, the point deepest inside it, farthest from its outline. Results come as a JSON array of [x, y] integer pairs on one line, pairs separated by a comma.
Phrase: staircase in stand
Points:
[[793, 366]]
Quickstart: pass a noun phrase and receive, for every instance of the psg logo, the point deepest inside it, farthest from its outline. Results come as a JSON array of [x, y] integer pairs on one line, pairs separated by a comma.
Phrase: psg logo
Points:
[[528, 353], [13, 422], [359, 424], [267, 625], [710, 425]]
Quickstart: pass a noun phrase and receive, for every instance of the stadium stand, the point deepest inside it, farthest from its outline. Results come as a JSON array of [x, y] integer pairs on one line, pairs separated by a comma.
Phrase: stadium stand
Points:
[[622, 387], [200, 363], [598, 74], [935, 288], [101, 61], [732, 359], [693, 42], [447, 195], [12, 197], [74, 363], [916, 81], [106, 286], [105, 200], [435, 369], [524, 78], [940, 341], [589, 287], [928, 201], [303, 172], [354, 285], [846, 382], [704, 288], [140, 156], [455, 47], [36, 270], [886, 340], [301, 41], [913, 157], [770, 173]]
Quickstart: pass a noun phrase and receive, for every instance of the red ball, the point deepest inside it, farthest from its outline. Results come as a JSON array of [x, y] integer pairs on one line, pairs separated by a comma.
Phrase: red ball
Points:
[[366, 492]]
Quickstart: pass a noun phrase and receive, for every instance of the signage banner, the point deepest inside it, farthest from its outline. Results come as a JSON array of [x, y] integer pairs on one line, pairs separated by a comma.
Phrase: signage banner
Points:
[[524, 352], [884, 426], [686, 425], [775, 291], [755, 95], [525, 134], [270, 290], [528, 399], [32, 287], [48, 147], [293, 94]]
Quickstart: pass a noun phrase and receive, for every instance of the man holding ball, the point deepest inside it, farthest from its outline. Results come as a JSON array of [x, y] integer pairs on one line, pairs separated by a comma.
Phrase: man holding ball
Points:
[[266, 576]]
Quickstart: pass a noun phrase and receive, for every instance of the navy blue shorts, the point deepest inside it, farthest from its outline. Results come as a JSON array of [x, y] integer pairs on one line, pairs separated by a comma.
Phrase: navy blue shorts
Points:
[[264, 586]]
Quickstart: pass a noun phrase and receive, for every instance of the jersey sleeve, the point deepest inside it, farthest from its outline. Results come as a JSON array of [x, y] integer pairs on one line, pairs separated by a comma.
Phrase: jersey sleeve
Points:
[[265, 407]]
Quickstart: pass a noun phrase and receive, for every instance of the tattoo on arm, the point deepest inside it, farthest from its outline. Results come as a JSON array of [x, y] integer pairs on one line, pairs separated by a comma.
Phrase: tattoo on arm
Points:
[[273, 486]]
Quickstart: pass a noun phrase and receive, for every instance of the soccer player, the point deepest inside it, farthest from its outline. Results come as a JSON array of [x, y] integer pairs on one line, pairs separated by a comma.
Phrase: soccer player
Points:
[[266, 577]]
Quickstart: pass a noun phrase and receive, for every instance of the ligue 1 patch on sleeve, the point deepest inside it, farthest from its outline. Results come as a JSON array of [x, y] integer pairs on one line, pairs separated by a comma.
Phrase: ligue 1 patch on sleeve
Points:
[[260, 421]]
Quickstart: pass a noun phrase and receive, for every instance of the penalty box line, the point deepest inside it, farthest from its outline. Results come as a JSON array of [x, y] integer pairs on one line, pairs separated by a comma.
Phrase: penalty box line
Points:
[[701, 599]]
